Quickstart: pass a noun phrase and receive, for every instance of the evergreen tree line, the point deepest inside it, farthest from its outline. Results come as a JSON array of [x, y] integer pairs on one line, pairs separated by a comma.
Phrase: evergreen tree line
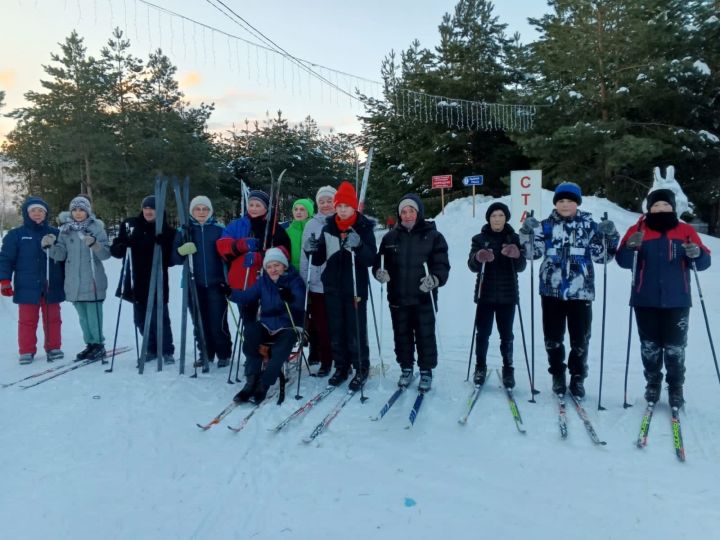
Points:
[[620, 87]]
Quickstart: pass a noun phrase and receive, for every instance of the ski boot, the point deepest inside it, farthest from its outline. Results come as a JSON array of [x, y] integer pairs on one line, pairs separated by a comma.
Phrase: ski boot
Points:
[[508, 377], [405, 377], [26, 358], [340, 376], [480, 374], [244, 395], [559, 385], [675, 396], [425, 380], [358, 380], [577, 386], [652, 392]]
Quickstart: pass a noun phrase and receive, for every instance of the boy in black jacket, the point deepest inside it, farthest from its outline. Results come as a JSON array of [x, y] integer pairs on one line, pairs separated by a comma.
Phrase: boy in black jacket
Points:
[[405, 252]]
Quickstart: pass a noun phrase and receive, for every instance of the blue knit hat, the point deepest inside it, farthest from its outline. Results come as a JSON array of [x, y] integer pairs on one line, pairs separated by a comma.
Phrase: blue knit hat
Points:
[[261, 196], [568, 190]]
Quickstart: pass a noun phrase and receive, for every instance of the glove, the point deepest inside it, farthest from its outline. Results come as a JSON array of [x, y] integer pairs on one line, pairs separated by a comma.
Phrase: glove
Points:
[[47, 241], [311, 244], [635, 240], [286, 295], [382, 275], [692, 250], [245, 245], [607, 228], [6, 287], [188, 248], [428, 283], [249, 260], [511, 251], [484, 255], [89, 240], [225, 289], [529, 225], [352, 240]]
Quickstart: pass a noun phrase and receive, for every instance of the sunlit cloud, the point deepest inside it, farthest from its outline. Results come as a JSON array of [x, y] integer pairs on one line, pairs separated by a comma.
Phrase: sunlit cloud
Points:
[[190, 79], [7, 79]]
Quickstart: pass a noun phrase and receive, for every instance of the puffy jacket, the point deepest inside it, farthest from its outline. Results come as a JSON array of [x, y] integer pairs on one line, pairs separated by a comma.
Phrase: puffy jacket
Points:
[[662, 277], [337, 277], [208, 266], [24, 261], [499, 281], [570, 246], [405, 252], [273, 313], [246, 266], [139, 235], [295, 231], [83, 282], [314, 226]]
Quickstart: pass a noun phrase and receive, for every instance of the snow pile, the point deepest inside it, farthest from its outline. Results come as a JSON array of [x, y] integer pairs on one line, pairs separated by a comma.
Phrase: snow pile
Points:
[[118, 455]]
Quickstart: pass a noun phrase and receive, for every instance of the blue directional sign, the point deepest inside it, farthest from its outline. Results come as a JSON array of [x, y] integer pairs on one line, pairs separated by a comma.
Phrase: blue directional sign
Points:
[[473, 180]]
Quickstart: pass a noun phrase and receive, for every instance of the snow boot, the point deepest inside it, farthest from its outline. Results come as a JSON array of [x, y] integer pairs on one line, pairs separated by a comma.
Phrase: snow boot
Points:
[[85, 353], [339, 377], [675, 396], [223, 362], [168, 359], [324, 371], [652, 392], [244, 395], [55, 354], [97, 351], [558, 383], [260, 393], [358, 380], [425, 383], [577, 386], [480, 374], [508, 377], [26, 358], [405, 377]]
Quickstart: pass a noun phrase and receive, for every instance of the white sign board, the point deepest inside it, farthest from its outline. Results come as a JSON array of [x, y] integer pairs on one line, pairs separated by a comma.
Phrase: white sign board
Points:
[[525, 195]]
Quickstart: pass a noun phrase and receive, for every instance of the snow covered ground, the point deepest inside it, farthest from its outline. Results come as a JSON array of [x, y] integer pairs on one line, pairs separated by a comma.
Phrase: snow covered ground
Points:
[[96, 455]]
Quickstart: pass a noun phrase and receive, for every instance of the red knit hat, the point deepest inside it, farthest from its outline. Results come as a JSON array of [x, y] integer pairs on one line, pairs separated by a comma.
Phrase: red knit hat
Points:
[[346, 195]]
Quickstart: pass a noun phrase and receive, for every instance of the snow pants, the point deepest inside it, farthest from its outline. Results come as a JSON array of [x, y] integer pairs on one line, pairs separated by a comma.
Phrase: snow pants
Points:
[[213, 311], [28, 317], [281, 344], [346, 349], [319, 330], [168, 348], [504, 316], [663, 336], [576, 315], [91, 321], [414, 327]]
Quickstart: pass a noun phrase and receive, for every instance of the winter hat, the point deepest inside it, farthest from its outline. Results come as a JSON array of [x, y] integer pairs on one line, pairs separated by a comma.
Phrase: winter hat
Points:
[[408, 202], [307, 204], [37, 205], [148, 202], [201, 199], [666, 195], [495, 207], [325, 191], [568, 190], [275, 254], [261, 196], [81, 203], [346, 195]]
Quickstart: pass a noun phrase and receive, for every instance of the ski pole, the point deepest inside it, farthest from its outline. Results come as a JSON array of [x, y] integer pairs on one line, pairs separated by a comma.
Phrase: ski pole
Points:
[[533, 392], [629, 339], [604, 307], [434, 306], [123, 269], [299, 337], [377, 335], [474, 330], [241, 330], [46, 315], [363, 399], [382, 311], [237, 330], [532, 311], [707, 323], [96, 302]]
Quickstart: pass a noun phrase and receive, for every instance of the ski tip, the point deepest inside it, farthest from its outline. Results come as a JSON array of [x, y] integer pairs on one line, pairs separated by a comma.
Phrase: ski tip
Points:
[[204, 428], [602, 443]]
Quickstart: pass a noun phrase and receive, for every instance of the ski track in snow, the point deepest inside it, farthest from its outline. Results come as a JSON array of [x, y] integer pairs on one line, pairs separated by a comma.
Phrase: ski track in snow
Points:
[[118, 455]]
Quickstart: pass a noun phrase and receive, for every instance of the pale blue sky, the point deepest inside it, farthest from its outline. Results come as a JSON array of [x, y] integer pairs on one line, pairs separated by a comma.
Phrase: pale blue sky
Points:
[[242, 81]]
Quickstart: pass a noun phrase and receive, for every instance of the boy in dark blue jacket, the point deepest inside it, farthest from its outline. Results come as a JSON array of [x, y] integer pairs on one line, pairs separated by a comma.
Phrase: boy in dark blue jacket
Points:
[[280, 291], [38, 281], [209, 269], [660, 249]]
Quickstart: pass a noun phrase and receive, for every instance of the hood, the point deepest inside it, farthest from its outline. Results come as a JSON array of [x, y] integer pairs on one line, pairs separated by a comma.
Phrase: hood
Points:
[[418, 201], [24, 210]]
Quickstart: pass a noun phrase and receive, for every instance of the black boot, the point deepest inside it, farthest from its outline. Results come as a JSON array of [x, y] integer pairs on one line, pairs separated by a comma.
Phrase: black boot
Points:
[[577, 386], [508, 377], [339, 377], [82, 355], [324, 371], [675, 396], [559, 385], [244, 395], [480, 374], [260, 392], [358, 380], [652, 392]]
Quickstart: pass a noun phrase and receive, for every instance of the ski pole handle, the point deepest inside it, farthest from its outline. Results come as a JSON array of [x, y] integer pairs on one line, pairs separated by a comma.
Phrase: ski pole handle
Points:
[[427, 272], [382, 263]]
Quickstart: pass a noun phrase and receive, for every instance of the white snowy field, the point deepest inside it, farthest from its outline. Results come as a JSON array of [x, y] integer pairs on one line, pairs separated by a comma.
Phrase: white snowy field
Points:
[[97, 455]]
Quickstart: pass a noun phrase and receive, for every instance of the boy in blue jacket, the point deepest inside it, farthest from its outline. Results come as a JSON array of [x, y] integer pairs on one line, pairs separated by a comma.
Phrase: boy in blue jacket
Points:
[[38, 281], [280, 292]]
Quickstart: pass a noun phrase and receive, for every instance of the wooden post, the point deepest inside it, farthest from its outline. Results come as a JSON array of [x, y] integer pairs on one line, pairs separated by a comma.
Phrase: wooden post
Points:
[[473, 201], [442, 200]]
